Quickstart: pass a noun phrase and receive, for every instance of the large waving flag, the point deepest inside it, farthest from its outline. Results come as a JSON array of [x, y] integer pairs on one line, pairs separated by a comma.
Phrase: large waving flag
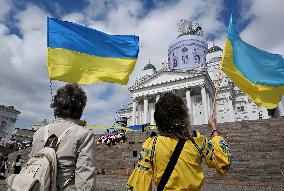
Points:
[[257, 73], [86, 56]]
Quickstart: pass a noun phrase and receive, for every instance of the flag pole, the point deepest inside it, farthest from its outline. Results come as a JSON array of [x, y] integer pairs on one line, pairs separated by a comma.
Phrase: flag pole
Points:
[[50, 86], [213, 111], [51, 93]]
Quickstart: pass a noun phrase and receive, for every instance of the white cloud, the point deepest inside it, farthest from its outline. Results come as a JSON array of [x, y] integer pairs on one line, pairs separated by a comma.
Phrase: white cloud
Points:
[[74, 17], [265, 31], [23, 75], [159, 27], [5, 7]]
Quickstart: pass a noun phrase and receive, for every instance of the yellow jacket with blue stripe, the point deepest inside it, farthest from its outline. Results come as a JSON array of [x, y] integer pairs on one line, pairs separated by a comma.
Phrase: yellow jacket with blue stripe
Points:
[[187, 174]]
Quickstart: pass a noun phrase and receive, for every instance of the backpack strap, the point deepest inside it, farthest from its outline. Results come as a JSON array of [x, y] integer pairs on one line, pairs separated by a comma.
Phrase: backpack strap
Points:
[[69, 179], [171, 165], [53, 141], [58, 142], [63, 134]]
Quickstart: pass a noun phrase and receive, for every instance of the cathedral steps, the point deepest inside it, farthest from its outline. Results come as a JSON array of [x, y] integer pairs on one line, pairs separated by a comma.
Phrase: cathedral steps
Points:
[[257, 155], [257, 151]]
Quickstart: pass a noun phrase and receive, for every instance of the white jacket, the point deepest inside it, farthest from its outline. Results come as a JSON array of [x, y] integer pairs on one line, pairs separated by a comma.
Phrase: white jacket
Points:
[[75, 154]]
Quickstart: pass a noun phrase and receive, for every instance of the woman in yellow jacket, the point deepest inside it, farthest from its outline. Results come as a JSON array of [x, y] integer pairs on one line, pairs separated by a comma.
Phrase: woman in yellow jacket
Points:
[[173, 123]]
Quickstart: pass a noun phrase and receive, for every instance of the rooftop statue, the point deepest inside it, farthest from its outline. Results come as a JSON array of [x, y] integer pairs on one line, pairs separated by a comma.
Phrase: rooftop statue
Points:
[[190, 28]]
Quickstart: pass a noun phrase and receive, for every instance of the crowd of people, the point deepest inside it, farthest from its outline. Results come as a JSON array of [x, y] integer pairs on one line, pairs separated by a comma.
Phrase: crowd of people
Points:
[[6, 167], [111, 138]]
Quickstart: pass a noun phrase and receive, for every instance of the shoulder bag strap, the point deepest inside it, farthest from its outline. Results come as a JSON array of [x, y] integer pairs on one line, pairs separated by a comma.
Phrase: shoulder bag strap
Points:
[[58, 142], [62, 136], [53, 141], [171, 165]]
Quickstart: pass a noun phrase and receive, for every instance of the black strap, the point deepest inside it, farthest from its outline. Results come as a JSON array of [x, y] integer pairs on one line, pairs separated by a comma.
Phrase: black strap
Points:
[[51, 142], [171, 165]]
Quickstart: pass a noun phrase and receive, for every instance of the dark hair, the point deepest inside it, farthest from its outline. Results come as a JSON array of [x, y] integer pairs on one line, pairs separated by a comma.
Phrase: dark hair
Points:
[[69, 101], [171, 117], [18, 158]]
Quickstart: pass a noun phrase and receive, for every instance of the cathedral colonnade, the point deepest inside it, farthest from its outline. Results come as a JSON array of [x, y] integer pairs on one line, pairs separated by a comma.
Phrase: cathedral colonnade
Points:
[[144, 106]]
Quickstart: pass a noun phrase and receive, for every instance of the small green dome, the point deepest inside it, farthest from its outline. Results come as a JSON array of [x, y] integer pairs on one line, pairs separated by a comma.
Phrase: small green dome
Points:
[[41, 123], [149, 66], [214, 49]]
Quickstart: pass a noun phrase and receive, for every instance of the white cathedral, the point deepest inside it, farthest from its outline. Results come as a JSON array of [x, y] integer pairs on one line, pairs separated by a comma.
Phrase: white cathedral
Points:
[[191, 72], [8, 117]]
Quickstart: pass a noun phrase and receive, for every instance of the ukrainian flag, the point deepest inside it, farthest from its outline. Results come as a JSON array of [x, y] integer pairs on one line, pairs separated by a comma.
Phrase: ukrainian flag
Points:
[[257, 73], [86, 56]]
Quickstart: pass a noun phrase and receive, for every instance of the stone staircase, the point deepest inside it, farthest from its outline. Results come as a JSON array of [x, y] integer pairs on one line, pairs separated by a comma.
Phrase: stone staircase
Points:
[[257, 157], [257, 150], [120, 159]]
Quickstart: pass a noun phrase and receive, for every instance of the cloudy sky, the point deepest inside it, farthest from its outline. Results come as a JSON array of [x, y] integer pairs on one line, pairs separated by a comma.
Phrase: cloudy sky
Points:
[[23, 72]]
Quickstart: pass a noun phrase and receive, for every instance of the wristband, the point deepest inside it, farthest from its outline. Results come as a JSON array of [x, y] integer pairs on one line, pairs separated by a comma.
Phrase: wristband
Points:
[[214, 132]]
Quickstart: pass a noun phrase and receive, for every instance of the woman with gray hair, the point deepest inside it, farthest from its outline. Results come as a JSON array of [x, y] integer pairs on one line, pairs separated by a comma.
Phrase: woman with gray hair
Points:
[[173, 158], [76, 151]]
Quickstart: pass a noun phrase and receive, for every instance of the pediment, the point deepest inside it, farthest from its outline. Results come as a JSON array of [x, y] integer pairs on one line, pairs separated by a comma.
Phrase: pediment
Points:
[[163, 77]]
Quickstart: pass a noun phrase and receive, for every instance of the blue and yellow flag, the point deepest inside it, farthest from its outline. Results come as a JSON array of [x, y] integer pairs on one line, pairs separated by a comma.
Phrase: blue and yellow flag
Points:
[[257, 73], [86, 56]]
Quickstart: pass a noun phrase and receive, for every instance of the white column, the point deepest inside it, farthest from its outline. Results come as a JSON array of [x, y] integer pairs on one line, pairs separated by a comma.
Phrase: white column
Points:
[[248, 108], [152, 114], [188, 104], [204, 103], [145, 110], [193, 111], [157, 97], [134, 112], [141, 114], [208, 104], [231, 109], [139, 111]]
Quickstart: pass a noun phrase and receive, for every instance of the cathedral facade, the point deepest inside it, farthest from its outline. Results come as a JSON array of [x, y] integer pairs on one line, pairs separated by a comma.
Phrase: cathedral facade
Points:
[[193, 73], [8, 117]]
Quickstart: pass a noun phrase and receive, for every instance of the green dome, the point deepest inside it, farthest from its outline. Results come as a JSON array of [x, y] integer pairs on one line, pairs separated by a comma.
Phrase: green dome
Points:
[[41, 123], [149, 66], [214, 49]]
